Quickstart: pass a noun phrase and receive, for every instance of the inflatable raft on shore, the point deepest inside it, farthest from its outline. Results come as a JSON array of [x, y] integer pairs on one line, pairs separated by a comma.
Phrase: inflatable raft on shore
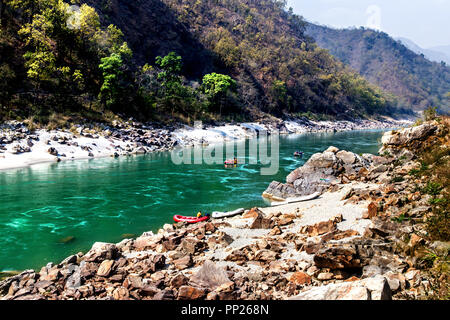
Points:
[[217, 214], [299, 199]]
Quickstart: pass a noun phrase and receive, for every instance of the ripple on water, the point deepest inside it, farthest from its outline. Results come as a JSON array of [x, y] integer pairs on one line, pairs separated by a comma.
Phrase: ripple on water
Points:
[[81, 224], [248, 170], [51, 226], [18, 223], [226, 180]]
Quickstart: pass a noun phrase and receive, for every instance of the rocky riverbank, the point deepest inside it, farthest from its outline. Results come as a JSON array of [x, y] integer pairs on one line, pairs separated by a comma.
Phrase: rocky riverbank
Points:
[[364, 238], [21, 146]]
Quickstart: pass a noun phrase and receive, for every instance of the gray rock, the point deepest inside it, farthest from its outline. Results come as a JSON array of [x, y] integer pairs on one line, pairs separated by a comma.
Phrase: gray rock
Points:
[[368, 289], [405, 136], [347, 157]]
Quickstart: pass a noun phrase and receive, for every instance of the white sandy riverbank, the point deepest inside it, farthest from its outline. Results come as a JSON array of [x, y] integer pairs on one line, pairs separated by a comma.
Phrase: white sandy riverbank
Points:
[[22, 148]]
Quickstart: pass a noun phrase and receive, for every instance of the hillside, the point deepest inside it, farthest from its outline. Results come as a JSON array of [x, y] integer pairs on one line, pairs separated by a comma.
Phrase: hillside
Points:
[[239, 59], [432, 55], [387, 63]]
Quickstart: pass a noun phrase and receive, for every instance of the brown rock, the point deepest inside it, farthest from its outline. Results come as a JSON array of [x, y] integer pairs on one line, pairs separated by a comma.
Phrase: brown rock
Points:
[[265, 255], [300, 278], [157, 262], [339, 235], [172, 242], [88, 269], [252, 213], [285, 220], [191, 245], [389, 189], [101, 251], [372, 211], [178, 281], [121, 293], [350, 193], [321, 227], [105, 268], [14, 287], [86, 290], [261, 223], [144, 242], [164, 295], [363, 172], [275, 231], [337, 258], [183, 263], [52, 275], [133, 281], [312, 248], [191, 293], [148, 290], [415, 240], [210, 227], [225, 287], [117, 278], [353, 278]]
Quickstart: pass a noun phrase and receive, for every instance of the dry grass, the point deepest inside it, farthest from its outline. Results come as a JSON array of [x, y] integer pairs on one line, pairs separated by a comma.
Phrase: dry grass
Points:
[[210, 276]]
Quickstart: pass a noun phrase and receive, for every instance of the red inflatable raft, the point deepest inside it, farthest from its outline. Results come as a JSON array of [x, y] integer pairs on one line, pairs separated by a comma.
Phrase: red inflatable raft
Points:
[[179, 218]]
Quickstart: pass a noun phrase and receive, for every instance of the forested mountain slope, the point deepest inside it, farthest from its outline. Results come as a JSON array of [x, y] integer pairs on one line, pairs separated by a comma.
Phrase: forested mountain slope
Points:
[[234, 58], [390, 65]]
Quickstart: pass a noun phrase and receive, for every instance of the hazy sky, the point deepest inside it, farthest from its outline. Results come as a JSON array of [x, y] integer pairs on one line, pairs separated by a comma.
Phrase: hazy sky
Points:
[[426, 22]]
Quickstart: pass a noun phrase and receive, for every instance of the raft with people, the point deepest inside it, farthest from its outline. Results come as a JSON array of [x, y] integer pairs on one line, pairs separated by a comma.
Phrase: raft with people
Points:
[[231, 161], [298, 154]]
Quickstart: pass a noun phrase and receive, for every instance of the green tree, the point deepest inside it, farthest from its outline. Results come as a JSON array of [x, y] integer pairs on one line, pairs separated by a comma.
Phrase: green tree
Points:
[[216, 86], [279, 91], [170, 66], [111, 68]]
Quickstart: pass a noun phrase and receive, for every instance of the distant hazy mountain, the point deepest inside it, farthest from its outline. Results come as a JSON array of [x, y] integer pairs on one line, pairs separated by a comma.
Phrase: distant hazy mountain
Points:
[[443, 49], [432, 54], [389, 64]]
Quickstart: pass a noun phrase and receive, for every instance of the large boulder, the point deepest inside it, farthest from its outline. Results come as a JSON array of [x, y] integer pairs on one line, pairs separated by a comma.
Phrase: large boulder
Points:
[[317, 174], [347, 157], [338, 257], [101, 251], [376, 288], [279, 191], [407, 135]]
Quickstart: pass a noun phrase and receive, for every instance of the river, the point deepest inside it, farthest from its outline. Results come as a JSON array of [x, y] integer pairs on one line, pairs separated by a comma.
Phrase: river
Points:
[[50, 211]]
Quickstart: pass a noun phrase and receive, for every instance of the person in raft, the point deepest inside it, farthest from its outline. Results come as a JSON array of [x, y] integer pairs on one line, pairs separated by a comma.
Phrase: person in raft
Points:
[[235, 160], [200, 214]]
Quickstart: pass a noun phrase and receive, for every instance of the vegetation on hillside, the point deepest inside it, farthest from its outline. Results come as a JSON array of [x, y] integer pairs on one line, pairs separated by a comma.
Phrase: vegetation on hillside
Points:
[[432, 180], [162, 59], [388, 64]]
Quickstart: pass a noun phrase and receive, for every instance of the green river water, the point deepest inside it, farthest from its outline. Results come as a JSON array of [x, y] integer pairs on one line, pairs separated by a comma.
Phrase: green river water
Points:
[[50, 211]]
